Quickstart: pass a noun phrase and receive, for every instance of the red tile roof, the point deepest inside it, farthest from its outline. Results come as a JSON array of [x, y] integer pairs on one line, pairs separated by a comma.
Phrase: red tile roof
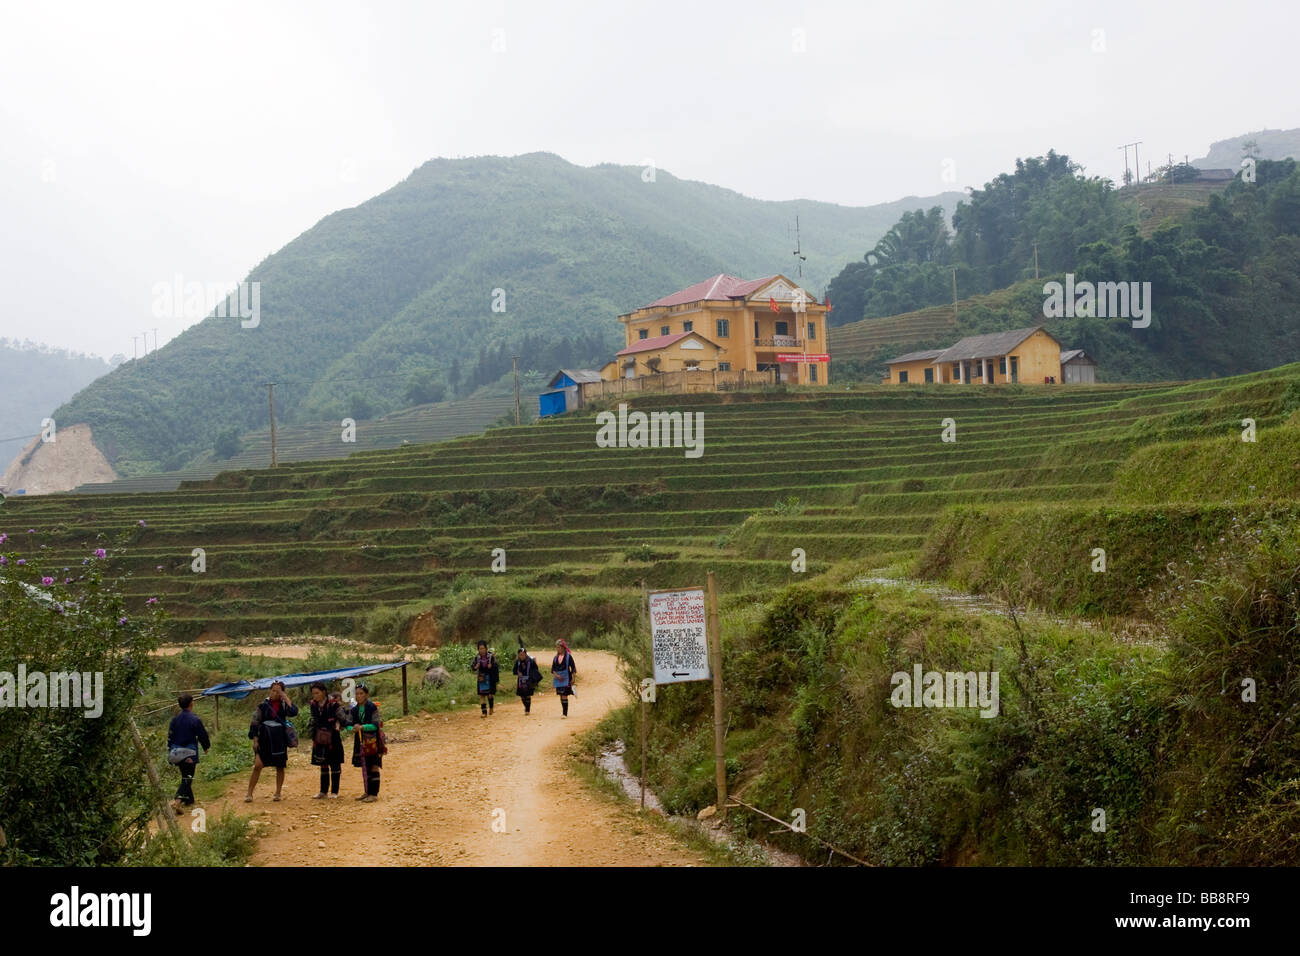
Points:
[[662, 341], [658, 342], [720, 286]]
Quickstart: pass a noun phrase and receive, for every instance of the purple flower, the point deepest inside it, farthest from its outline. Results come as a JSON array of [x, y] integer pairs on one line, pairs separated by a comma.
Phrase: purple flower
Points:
[[121, 620], [58, 608], [151, 601], [142, 524], [85, 560], [100, 552], [67, 580], [3, 560], [158, 568], [3, 538], [47, 581], [21, 561], [31, 530]]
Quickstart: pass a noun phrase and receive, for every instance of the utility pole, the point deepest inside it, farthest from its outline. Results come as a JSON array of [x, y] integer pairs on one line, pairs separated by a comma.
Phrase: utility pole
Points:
[[954, 292], [1137, 166], [155, 340], [514, 360], [134, 351], [1035, 260], [270, 400]]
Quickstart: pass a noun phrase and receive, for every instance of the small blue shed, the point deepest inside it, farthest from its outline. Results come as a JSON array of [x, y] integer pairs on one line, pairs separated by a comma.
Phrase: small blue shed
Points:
[[564, 391]]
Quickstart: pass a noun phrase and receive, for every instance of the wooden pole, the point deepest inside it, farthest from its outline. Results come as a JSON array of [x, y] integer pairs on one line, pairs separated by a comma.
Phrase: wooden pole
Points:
[[159, 801], [645, 609], [514, 360], [644, 717], [216, 712], [270, 401], [719, 737], [405, 709]]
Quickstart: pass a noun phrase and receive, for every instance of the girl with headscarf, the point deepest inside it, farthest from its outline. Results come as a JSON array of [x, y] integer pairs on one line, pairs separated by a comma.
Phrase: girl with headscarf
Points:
[[562, 671], [368, 747]]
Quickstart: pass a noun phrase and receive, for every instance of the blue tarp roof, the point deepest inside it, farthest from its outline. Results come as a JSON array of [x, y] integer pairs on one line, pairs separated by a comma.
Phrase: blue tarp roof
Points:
[[241, 689]]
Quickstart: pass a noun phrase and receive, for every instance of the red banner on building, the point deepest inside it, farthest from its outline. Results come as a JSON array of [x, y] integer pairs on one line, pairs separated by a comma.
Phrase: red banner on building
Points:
[[801, 357]]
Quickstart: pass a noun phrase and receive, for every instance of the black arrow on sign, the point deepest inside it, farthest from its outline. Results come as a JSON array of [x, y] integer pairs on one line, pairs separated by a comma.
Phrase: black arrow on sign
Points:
[[682, 674]]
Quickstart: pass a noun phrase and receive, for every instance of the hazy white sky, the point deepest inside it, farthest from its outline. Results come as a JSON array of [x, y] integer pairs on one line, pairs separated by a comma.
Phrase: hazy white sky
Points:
[[140, 141]]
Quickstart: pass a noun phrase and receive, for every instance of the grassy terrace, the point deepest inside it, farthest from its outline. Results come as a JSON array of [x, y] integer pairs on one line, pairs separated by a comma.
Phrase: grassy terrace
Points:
[[321, 546]]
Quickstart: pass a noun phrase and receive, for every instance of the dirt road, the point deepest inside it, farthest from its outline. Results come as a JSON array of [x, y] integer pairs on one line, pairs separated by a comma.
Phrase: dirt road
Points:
[[448, 778]]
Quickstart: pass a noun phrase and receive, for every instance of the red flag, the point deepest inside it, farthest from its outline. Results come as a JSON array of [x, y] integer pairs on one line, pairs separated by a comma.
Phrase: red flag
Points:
[[828, 304], [772, 304]]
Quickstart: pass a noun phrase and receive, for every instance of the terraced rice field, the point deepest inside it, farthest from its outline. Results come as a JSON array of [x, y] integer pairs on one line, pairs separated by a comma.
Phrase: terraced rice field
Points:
[[315, 546], [314, 441], [863, 339]]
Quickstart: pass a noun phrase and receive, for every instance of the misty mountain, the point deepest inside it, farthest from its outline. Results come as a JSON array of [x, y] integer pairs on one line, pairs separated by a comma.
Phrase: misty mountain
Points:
[[434, 283]]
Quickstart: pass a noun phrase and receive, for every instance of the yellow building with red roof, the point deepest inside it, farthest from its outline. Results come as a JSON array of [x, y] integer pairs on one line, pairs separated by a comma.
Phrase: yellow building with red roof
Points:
[[726, 323]]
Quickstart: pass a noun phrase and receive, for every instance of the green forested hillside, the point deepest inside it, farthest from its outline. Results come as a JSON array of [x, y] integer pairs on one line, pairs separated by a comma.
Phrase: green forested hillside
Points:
[[36, 380], [399, 291]]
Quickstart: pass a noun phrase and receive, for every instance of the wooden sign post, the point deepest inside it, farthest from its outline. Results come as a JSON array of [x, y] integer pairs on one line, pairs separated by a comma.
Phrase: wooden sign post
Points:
[[719, 732]]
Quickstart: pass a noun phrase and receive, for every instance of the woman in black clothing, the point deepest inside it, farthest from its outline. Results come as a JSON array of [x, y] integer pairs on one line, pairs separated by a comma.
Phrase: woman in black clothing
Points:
[[368, 745], [270, 740], [527, 677], [326, 741], [488, 675], [562, 671]]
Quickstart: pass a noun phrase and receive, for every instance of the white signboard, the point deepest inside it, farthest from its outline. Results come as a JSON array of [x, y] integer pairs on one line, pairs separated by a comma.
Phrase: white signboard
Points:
[[677, 632]]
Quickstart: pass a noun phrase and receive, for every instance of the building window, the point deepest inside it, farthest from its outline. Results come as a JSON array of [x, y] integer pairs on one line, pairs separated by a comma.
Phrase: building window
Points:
[[929, 375], [687, 326], [642, 333], [724, 328], [783, 328], [1002, 365], [724, 366], [755, 331], [812, 374], [902, 377], [665, 329], [812, 330]]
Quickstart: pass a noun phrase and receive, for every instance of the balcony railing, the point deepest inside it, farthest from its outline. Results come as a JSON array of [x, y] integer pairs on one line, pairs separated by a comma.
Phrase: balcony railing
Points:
[[779, 342]]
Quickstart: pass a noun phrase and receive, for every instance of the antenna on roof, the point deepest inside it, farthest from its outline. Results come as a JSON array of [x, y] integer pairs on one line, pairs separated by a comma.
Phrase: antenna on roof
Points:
[[798, 247]]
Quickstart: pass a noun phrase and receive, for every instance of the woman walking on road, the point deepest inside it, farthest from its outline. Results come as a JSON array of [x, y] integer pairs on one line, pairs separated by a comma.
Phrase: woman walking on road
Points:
[[270, 738], [562, 671], [326, 741], [368, 747], [527, 677], [485, 668]]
